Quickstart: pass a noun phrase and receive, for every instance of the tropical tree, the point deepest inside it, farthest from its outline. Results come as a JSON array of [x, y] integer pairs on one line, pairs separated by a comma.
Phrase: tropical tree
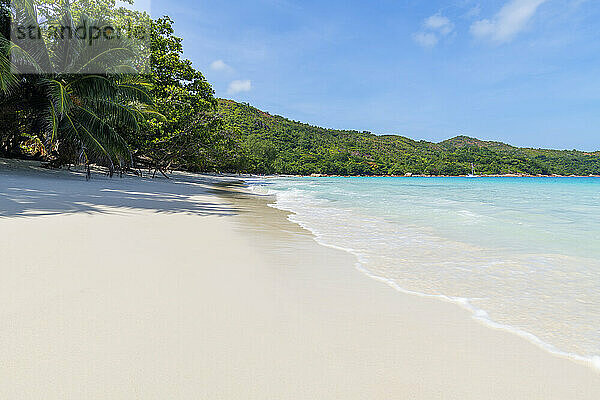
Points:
[[190, 134], [68, 100]]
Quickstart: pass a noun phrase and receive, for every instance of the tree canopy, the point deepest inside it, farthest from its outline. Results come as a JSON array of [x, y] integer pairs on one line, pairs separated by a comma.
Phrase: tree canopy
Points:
[[273, 144], [142, 104]]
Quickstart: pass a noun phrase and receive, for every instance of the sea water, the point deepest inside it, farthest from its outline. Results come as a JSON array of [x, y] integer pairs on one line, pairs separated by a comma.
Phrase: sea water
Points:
[[522, 254]]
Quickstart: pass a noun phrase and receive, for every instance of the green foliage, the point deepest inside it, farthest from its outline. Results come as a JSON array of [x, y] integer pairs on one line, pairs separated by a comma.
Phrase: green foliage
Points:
[[163, 119], [68, 117], [186, 133], [168, 117], [272, 144]]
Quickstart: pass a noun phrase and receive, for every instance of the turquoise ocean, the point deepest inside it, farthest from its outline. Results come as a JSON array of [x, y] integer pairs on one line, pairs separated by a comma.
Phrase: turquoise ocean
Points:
[[522, 254]]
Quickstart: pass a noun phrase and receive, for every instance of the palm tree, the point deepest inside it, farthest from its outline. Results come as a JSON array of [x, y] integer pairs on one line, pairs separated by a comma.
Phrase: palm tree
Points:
[[76, 101]]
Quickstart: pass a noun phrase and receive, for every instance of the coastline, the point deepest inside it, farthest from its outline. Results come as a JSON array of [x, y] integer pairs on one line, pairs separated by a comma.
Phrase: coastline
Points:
[[440, 176], [509, 346], [187, 289], [323, 235], [476, 313], [411, 176]]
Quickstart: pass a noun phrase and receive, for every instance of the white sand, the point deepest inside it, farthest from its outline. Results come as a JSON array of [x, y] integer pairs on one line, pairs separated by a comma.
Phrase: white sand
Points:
[[134, 289]]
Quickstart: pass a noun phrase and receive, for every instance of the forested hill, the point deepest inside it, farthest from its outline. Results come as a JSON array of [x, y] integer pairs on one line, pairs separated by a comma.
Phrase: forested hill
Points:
[[165, 118], [273, 144]]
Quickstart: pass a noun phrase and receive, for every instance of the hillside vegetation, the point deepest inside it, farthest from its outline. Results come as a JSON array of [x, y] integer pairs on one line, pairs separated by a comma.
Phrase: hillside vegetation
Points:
[[272, 144], [133, 106]]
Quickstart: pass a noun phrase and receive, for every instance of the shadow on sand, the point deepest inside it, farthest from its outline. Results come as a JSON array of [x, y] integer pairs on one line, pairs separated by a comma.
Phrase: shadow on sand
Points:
[[35, 192]]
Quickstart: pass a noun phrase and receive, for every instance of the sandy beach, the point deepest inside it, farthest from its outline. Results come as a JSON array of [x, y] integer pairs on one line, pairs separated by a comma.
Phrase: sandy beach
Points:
[[190, 288]]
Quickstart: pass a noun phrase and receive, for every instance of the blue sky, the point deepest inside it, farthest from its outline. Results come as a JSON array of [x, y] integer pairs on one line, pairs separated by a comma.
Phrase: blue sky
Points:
[[525, 72]]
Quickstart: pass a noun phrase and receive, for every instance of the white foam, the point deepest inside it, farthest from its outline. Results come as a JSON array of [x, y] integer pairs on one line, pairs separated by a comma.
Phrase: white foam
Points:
[[297, 201]]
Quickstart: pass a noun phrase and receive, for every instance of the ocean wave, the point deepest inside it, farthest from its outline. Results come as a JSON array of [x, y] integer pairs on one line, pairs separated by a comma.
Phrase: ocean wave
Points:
[[368, 238]]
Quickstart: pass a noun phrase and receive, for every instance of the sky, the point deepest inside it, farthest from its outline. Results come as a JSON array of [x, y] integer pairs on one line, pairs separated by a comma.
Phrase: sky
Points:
[[525, 72]]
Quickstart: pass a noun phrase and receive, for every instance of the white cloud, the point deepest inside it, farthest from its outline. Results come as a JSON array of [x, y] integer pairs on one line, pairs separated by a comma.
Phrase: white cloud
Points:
[[426, 39], [434, 28], [440, 24], [473, 12], [508, 22], [239, 86], [219, 65]]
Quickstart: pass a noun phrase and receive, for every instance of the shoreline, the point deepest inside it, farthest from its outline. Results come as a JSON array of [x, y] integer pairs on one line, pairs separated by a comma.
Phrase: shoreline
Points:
[[476, 314], [245, 175], [437, 176], [187, 289], [467, 311]]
